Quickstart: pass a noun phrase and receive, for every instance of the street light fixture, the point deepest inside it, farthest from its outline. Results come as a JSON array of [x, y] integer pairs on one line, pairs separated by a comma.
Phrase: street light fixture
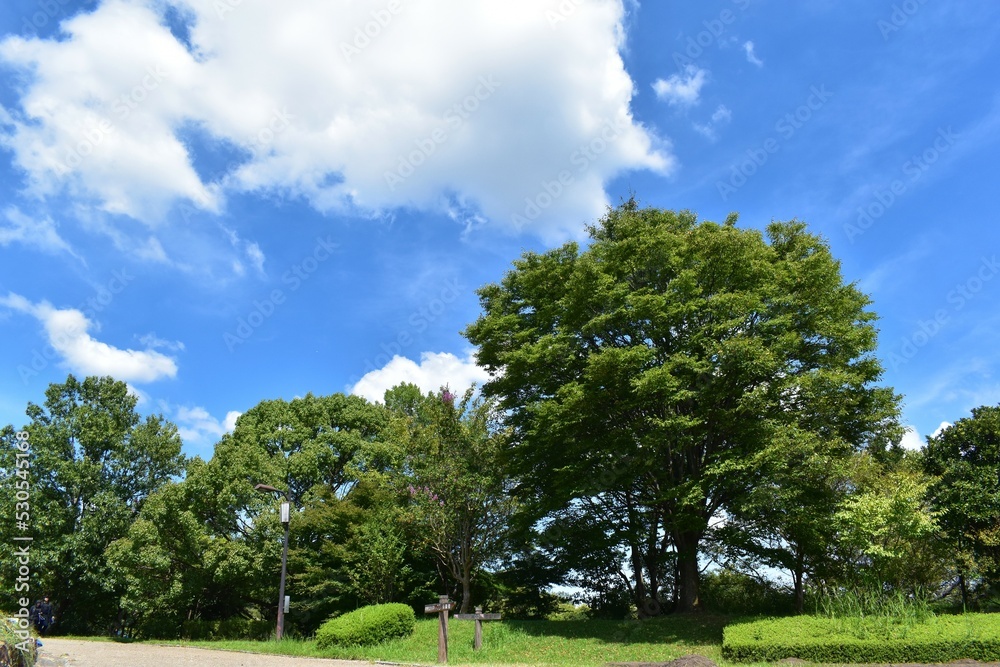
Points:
[[285, 519]]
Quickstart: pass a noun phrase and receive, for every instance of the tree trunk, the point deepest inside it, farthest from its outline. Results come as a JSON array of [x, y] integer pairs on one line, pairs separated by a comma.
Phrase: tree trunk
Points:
[[466, 594], [639, 590], [798, 576], [687, 570]]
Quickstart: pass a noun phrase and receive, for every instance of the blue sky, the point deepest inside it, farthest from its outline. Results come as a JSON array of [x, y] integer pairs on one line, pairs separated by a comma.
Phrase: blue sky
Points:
[[225, 201]]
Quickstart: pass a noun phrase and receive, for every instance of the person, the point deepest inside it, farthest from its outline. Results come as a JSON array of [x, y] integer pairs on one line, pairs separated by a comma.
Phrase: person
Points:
[[41, 615]]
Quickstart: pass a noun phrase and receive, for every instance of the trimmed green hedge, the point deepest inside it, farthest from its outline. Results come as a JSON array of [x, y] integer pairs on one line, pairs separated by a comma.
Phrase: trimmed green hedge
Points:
[[366, 626], [845, 640]]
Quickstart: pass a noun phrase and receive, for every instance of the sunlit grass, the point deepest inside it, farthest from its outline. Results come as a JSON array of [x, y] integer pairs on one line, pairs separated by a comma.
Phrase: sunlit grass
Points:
[[526, 642]]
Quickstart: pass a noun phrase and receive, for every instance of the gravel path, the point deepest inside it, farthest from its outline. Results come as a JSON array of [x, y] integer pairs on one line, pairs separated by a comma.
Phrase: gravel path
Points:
[[74, 653]]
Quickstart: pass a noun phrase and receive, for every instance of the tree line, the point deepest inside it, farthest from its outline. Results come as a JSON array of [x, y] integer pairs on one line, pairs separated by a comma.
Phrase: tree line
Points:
[[674, 400]]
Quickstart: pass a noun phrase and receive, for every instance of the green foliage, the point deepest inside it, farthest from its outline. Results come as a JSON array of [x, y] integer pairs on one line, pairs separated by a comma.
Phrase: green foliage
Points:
[[658, 371], [9, 642], [378, 563], [786, 523], [522, 588], [453, 481], [94, 462], [368, 625], [738, 594], [965, 458], [230, 628], [871, 610], [887, 533], [871, 640], [567, 611]]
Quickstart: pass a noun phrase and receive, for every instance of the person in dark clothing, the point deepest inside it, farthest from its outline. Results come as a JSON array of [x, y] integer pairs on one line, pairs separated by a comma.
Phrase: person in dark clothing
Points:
[[41, 615]]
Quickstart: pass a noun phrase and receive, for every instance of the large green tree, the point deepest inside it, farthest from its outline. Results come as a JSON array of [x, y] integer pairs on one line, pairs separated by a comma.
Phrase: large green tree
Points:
[[658, 370], [323, 452], [94, 461], [965, 458]]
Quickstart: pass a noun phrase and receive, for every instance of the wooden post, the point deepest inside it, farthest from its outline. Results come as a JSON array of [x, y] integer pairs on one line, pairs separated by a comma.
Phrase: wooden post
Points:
[[441, 609], [478, 617]]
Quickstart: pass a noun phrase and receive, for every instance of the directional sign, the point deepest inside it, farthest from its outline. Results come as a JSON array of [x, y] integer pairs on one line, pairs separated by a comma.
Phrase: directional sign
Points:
[[441, 609], [478, 617]]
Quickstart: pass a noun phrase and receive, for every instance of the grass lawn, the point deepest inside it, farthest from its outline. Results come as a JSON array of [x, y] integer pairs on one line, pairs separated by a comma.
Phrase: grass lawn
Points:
[[583, 643]]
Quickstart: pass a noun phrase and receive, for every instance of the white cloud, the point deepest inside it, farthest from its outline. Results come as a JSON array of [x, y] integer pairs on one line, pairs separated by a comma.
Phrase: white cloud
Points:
[[20, 228], [436, 369], [682, 90], [256, 257], [751, 56], [912, 440], [197, 426], [152, 251], [334, 106], [941, 428], [67, 332], [721, 116], [151, 340], [250, 249]]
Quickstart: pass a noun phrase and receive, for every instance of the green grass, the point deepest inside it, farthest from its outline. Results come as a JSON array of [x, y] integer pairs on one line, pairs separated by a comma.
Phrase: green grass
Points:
[[584, 643], [592, 643]]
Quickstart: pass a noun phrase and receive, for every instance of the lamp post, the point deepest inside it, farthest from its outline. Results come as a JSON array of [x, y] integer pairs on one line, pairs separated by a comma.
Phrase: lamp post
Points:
[[285, 519]]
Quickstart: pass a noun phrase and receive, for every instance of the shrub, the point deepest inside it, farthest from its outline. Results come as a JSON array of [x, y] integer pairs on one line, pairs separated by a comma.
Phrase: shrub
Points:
[[229, 628], [871, 640], [728, 592], [9, 639], [367, 625]]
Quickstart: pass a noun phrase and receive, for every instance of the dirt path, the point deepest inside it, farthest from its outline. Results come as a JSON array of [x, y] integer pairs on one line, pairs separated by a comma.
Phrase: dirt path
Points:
[[75, 653]]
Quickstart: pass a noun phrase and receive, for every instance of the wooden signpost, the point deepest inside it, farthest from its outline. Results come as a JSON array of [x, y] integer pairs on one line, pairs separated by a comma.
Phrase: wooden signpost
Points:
[[441, 609], [478, 617]]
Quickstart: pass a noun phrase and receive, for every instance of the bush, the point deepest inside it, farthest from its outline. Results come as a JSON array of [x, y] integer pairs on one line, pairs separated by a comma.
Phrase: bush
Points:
[[9, 640], [871, 640], [738, 594], [368, 625], [229, 628]]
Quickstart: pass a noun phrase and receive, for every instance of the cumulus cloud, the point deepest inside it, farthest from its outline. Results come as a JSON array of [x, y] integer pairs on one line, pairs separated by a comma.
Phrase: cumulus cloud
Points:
[[911, 439], [942, 427], [682, 89], [196, 425], [751, 56], [16, 227], [68, 335], [349, 105], [435, 370]]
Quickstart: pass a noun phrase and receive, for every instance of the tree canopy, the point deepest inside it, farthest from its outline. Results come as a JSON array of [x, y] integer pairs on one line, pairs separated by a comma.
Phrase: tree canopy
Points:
[[673, 396], [666, 368], [94, 462]]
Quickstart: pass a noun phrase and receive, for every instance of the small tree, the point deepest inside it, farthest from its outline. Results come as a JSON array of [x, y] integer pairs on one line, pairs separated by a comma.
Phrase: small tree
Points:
[[887, 533], [453, 479], [965, 458]]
